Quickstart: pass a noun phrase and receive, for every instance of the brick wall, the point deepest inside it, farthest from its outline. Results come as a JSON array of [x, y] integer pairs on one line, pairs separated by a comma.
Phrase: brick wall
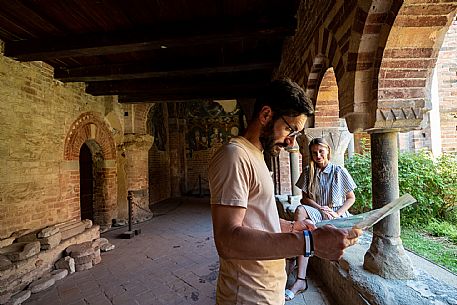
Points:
[[159, 175], [327, 108], [447, 87], [37, 112], [446, 66]]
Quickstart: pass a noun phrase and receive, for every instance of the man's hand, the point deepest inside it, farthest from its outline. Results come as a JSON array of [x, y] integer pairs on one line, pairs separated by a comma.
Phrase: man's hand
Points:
[[329, 242], [305, 224]]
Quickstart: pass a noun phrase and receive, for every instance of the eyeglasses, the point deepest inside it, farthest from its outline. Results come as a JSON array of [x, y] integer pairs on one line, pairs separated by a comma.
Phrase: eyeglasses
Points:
[[293, 132]]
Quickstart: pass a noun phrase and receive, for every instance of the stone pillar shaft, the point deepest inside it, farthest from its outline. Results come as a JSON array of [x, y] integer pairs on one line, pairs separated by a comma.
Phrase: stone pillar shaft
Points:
[[136, 148], [386, 256], [294, 159]]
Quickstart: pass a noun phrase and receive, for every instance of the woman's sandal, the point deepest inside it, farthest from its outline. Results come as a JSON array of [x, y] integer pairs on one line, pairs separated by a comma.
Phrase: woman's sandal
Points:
[[289, 295]]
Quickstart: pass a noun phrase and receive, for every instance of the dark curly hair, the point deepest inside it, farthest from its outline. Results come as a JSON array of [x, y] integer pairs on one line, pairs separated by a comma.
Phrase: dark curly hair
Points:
[[284, 97]]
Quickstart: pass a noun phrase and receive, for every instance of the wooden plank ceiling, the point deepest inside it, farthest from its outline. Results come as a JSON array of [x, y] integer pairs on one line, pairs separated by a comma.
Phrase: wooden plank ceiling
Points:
[[144, 50]]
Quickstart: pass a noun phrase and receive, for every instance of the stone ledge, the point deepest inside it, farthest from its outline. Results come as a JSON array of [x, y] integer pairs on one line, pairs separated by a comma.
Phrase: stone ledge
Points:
[[22, 273], [349, 283]]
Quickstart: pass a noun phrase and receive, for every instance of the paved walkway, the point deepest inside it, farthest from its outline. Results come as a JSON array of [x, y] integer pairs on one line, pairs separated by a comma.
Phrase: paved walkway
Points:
[[172, 261]]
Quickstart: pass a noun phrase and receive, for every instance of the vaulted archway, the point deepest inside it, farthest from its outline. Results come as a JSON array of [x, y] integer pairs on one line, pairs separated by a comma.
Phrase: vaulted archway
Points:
[[91, 136]]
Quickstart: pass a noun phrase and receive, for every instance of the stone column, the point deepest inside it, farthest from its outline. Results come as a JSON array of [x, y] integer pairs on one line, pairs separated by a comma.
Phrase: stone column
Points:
[[386, 256], [136, 147], [294, 168]]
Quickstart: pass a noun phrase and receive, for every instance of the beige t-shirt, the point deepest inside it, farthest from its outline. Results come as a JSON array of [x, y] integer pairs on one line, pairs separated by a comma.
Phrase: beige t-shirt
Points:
[[238, 176]]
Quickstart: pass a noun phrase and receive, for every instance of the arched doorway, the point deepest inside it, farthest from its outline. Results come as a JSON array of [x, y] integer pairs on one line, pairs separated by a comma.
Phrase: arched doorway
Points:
[[86, 171]]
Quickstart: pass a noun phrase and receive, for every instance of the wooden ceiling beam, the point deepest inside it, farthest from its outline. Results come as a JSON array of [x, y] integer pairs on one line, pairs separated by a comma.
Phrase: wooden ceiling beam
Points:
[[234, 91], [162, 87], [146, 70], [171, 36]]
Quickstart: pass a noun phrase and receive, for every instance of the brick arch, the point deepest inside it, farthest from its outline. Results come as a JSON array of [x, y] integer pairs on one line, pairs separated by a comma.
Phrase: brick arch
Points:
[[371, 25], [141, 117], [407, 64], [88, 126], [324, 70]]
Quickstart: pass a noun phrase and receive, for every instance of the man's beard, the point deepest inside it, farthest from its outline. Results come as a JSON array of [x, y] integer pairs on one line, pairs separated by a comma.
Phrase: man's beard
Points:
[[267, 140]]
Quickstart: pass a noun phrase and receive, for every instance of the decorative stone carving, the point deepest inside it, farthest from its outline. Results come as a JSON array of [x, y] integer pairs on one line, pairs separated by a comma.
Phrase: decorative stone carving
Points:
[[337, 137], [401, 118]]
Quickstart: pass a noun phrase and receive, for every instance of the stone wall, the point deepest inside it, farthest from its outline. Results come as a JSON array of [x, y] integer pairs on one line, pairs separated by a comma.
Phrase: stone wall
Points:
[[37, 187]]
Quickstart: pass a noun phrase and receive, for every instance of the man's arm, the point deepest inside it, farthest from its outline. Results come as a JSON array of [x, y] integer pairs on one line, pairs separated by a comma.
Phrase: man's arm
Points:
[[233, 241]]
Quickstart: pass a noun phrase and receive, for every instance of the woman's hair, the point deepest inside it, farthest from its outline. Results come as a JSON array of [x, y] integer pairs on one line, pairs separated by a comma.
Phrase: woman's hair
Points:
[[312, 178]]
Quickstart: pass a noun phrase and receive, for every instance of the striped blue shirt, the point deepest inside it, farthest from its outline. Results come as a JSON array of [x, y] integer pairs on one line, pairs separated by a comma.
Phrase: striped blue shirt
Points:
[[334, 182]]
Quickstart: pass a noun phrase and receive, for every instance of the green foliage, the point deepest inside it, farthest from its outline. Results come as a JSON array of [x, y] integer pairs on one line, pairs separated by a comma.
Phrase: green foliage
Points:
[[429, 227], [432, 182], [418, 175], [443, 229], [359, 166], [447, 166], [438, 250]]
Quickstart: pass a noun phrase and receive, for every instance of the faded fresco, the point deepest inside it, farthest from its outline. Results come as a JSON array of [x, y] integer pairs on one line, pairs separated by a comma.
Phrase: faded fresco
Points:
[[156, 124], [211, 123]]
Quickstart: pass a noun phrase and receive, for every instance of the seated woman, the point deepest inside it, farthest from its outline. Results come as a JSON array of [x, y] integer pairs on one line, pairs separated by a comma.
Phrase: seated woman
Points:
[[327, 193]]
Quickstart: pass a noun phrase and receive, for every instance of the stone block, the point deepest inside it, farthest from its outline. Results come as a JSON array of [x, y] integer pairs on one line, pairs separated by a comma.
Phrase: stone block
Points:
[[20, 251], [102, 240], [41, 284], [96, 244], [24, 272], [59, 274], [67, 263], [51, 241], [96, 260], [66, 223], [6, 242], [107, 247], [20, 297], [83, 259], [5, 263], [87, 223], [82, 267], [79, 250], [72, 229], [48, 231]]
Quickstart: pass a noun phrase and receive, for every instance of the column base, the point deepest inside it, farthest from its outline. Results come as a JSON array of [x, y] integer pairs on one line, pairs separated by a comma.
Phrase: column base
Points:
[[387, 258]]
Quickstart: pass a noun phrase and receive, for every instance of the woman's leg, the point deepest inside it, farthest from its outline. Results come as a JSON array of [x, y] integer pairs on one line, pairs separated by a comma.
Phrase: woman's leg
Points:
[[302, 262]]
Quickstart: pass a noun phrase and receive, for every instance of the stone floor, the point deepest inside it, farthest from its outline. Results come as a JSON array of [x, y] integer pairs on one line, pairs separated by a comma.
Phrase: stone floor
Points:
[[172, 261]]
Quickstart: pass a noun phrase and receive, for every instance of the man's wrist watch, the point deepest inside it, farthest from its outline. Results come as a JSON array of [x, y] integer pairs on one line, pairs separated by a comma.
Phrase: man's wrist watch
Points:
[[309, 243]]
